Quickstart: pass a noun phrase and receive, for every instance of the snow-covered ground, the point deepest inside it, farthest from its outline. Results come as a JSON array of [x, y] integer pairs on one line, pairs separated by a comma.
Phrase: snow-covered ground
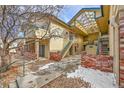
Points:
[[45, 66], [97, 78]]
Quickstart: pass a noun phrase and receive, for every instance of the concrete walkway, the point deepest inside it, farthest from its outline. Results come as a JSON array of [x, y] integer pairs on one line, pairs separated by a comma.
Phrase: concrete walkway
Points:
[[44, 76]]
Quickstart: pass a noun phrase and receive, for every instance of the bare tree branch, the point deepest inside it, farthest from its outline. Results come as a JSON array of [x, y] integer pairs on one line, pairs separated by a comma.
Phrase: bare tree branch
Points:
[[15, 19]]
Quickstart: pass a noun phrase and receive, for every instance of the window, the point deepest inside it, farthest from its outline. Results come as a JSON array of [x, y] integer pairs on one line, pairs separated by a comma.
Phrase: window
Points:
[[44, 26], [57, 32], [71, 37]]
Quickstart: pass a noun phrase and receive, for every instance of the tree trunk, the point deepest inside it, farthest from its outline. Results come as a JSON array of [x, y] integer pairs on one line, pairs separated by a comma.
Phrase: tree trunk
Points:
[[5, 58]]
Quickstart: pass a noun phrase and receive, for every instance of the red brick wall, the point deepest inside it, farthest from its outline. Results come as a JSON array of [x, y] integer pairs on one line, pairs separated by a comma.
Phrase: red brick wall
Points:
[[100, 62], [121, 31]]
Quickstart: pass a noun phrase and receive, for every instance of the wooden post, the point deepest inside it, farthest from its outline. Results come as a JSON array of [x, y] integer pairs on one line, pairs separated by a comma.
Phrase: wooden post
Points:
[[116, 53]]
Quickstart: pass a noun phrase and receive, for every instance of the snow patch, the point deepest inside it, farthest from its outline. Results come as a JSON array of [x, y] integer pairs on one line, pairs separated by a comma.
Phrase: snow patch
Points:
[[45, 66], [96, 78]]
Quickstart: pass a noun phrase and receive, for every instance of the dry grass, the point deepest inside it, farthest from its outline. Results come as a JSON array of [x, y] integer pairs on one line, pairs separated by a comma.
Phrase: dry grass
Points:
[[64, 82]]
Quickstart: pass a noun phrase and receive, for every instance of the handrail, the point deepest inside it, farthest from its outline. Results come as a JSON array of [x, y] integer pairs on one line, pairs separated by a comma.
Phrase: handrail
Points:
[[66, 47]]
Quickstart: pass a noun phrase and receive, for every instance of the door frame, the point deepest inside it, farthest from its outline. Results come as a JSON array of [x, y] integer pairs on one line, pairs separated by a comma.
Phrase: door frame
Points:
[[41, 53]]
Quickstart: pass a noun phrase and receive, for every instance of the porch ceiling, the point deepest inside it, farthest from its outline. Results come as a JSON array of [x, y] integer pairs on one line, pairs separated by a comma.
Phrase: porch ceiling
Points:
[[79, 31], [92, 20], [87, 21]]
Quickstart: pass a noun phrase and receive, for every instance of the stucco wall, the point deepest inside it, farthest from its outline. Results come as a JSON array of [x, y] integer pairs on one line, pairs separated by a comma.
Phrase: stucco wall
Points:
[[79, 40], [56, 44]]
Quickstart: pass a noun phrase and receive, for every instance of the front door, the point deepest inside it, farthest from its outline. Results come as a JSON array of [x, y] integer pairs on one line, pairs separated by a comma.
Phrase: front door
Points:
[[71, 49], [42, 50]]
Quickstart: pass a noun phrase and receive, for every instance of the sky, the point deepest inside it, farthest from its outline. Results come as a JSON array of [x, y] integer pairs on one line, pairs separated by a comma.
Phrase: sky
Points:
[[69, 11]]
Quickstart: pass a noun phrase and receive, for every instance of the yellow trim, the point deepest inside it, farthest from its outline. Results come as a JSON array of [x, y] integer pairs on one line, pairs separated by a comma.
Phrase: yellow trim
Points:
[[102, 22]]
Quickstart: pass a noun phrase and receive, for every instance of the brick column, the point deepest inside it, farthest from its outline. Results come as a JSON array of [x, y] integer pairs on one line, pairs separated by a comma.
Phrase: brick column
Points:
[[121, 29]]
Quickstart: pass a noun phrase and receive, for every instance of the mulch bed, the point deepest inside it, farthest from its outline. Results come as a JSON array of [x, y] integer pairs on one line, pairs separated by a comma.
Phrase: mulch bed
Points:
[[64, 82]]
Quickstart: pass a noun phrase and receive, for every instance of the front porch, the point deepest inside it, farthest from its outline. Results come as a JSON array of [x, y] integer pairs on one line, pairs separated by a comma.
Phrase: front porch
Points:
[[39, 47]]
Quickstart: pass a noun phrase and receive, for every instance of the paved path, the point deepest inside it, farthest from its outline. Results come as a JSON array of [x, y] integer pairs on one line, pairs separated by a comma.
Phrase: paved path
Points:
[[42, 77]]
